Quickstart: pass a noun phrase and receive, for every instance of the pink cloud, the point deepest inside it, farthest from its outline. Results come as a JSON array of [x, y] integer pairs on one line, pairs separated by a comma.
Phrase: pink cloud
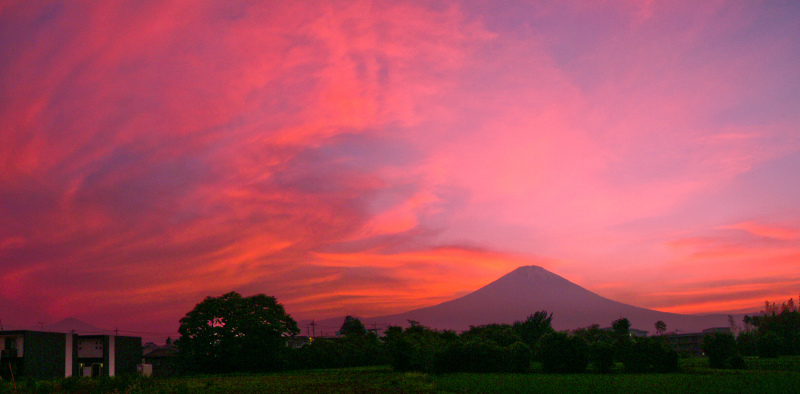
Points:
[[766, 231], [158, 142], [326, 152]]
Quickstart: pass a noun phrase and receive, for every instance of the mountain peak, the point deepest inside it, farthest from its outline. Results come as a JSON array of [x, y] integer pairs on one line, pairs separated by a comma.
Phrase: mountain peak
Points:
[[531, 288], [529, 270], [72, 324], [529, 275]]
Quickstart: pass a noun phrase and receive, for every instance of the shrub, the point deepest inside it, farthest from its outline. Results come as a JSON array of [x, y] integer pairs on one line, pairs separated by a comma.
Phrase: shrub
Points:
[[719, 347], [501, 334], [602, 355], [400, 354], [417, 348], [560, 352], [650, 355], [747, 343], [450, 359], [520, 357], [485, 356], [736, 362], [769, 345]]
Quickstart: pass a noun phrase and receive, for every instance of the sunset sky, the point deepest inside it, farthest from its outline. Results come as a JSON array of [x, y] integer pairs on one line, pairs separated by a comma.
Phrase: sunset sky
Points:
[[367, 158]]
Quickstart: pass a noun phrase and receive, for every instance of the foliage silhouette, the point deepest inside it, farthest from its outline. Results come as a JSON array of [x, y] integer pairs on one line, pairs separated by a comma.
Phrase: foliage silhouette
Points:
[[231, 333], [719, 347], [561, 352]]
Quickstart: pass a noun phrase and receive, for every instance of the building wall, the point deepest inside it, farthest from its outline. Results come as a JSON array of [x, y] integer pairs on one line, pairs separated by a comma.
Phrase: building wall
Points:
[[44, 354], [119, 355], [111, 356], [56, 355], [685, 343], [41, 355], [11, 362], [91, 347], [128, 354], [18, 340]]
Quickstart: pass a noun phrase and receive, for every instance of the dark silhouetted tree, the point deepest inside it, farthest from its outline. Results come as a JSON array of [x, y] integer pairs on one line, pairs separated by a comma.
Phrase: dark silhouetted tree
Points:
[[719, 347], [601, 353], [621, 327], [352, 328], [783, 321], [769, 345], [233, 333], [561, 352], [532, 328], [661, 327], [501, 334], [746, 343], [650, 355], [521, 355], [602, 356], [732, 324], [415, 348], [622, 343]]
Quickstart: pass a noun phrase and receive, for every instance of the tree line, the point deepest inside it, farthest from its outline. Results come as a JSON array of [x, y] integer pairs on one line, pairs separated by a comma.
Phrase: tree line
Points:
[[232, 333]]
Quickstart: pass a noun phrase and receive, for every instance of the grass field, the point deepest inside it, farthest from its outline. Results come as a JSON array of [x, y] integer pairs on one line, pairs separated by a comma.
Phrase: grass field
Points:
[[762, 376]]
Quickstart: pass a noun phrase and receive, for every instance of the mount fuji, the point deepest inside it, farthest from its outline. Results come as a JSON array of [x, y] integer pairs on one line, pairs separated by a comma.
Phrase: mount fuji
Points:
[[528, 289]]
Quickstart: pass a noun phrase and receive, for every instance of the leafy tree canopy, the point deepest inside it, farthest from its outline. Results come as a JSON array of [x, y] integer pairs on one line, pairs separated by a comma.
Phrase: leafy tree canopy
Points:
[[235, 333], [783, 321], [534, 327], [621, 327], [352, 328], [661, 327]]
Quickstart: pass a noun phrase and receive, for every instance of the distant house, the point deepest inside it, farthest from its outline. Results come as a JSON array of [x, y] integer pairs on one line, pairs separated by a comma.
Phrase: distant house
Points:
[[685, 344], [108, 355], [164, 360], [299, 341], [632, 332], [638, 333], [37, 354], [149, 347], [691, 343], [717, 329]]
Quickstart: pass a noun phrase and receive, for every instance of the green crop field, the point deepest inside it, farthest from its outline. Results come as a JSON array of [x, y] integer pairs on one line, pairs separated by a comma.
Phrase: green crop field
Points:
[[762, 376]]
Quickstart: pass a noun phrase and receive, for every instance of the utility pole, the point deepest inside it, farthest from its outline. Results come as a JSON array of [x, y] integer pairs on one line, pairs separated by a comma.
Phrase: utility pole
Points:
[[313, 328]]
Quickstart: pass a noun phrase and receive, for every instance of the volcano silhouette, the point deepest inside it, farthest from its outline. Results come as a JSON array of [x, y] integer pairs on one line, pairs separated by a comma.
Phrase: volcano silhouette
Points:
[[528, 289]]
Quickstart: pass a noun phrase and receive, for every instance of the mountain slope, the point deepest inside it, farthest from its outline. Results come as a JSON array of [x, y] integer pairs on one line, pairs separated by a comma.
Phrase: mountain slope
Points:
[[72, 324], [528, 289]]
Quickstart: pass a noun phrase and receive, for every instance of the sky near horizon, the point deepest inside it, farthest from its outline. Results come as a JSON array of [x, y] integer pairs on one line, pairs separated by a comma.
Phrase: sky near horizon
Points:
[[367, 158]]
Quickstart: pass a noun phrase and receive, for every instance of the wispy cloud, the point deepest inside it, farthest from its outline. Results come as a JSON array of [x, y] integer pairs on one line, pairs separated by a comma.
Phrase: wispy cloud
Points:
[[368, 157]]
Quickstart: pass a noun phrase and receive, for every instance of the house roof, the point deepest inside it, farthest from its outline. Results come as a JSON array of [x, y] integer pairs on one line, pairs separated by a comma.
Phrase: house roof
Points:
[[162, 352]]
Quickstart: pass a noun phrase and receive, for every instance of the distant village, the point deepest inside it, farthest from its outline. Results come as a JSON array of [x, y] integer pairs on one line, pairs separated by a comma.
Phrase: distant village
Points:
[[218, 324], [45, 355]]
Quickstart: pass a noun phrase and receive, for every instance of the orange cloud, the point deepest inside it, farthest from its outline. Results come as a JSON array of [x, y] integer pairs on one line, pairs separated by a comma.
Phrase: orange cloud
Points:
[[766, 231], [332, 154]]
